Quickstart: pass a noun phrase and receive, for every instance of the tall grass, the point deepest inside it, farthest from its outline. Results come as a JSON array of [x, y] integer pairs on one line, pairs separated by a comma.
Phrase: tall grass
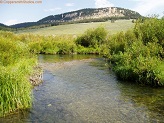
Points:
[[15, 87], [52, 45], [16, 65]]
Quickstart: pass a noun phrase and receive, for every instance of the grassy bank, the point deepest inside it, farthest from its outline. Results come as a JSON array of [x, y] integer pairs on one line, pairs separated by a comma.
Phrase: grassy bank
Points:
[[16, 65]]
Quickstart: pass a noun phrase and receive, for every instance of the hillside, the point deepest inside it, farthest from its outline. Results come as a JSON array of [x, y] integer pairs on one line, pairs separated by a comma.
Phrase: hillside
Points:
[[84, 15], [26, 24], [76, 29], [5, 27], [2, 25]]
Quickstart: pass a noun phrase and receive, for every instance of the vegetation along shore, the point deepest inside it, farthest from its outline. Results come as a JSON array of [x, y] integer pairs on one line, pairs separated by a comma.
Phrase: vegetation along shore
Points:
[[135, 55]]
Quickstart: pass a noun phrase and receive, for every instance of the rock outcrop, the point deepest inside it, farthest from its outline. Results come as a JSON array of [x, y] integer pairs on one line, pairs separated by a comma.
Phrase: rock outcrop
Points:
[[91, 14]]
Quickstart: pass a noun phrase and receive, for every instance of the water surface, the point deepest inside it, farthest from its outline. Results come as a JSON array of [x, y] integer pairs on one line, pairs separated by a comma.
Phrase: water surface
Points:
[[82, 89]]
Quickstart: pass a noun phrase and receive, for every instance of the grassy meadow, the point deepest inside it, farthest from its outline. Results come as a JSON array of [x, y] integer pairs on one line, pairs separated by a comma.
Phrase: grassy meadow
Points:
[[80, 28]]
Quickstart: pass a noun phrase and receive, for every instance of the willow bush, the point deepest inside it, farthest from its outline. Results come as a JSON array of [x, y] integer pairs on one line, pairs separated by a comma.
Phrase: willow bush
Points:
[[137, 54], [92, 37], [137, 63], [151, 30]]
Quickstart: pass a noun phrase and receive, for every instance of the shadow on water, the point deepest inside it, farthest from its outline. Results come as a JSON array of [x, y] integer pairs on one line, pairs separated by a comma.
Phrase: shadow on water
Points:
[[147, 98], [141, 96], [83, 91]]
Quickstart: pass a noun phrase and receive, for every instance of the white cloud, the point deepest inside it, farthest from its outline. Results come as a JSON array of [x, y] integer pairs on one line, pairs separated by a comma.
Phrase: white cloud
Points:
[[69, 4], [146, 7], [52, 9], [103, 3], [11, 22]]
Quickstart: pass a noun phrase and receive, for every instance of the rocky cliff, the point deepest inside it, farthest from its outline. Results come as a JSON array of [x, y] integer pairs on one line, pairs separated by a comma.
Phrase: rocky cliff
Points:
[[84, 14]]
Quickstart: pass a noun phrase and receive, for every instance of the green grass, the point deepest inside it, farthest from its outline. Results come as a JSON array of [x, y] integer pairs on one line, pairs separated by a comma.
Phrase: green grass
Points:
[[80, 28], [160, 69], [15, 87], [16, 65]]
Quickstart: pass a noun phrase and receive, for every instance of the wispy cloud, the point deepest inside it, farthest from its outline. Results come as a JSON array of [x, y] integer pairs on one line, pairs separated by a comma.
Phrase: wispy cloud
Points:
[[69, 4], [52, 9], [11, 22], [103, 3], [145, 7]]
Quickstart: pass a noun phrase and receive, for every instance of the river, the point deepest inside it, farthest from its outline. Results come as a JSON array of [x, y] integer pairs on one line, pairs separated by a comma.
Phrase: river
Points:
[[82, 89]]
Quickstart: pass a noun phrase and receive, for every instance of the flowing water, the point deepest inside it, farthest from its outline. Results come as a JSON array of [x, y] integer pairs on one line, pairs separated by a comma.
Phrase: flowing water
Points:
[[82, 89]]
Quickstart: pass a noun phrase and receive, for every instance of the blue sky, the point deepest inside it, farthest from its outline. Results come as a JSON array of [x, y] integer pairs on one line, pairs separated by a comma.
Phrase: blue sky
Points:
[[17, 13]]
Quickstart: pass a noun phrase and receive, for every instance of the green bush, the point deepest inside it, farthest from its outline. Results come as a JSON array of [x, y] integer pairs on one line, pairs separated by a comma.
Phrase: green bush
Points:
[[92, 37], [137, 55], [52, 45], [151, 30], [12, 51], [117, 43], [137, 63]]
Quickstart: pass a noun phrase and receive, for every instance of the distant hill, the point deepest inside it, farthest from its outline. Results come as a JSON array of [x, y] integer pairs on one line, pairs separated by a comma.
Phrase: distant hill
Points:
[[84, 15], [23, 25], [5, 27], [2, 25]]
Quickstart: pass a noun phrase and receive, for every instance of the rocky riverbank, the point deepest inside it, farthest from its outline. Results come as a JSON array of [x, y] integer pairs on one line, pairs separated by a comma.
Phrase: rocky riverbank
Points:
[[37, 77]]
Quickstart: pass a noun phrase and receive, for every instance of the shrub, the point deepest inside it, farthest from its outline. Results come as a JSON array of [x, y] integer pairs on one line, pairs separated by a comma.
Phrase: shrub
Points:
[[52, 45], [117, 43], [12, 51], [92, 37], [137, 54], [137, 63], [151, 30]]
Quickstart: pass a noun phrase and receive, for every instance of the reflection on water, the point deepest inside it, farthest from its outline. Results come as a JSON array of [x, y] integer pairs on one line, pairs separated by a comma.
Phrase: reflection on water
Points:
[[63, 58], [83, 91]]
